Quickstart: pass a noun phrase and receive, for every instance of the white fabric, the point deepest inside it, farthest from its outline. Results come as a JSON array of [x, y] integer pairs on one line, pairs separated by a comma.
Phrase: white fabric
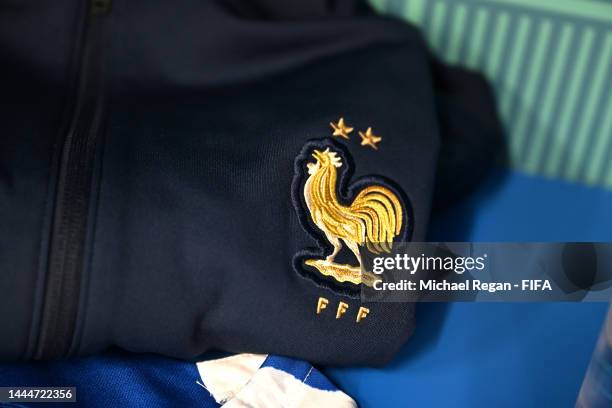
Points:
[[240, 382], [224, 377], [273, 388]]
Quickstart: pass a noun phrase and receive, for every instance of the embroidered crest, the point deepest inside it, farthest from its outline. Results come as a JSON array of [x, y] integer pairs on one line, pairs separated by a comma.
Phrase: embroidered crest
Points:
[[367, 214]]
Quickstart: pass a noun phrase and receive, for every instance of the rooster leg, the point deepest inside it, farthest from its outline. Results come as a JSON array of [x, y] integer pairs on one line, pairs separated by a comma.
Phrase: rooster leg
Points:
[[337, 245], [352, 245]]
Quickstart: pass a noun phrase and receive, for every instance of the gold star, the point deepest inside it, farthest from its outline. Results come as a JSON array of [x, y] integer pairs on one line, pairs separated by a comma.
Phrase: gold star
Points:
[[340, 129], [369, 139]]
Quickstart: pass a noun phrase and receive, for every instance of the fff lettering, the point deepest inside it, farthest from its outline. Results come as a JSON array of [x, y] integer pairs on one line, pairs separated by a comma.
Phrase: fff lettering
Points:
[[341, 310]]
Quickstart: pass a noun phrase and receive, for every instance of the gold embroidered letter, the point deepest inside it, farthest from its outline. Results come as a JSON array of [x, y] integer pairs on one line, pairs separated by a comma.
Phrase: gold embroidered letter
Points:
[[321, 304], [362, 313], [342, 308]]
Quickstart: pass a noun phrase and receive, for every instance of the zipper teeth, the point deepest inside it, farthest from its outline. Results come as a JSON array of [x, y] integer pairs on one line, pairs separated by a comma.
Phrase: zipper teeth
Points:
[[69, 227]]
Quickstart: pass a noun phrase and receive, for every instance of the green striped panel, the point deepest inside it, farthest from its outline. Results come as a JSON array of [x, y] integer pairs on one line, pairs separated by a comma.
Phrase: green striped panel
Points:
[[550, 63]]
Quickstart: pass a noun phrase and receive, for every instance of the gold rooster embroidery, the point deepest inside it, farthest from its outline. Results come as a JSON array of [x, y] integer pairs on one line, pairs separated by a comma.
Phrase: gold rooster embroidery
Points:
[[373, 219]]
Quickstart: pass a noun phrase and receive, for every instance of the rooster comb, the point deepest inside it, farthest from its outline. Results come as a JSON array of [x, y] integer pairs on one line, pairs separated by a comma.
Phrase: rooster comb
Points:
[[327, 156]]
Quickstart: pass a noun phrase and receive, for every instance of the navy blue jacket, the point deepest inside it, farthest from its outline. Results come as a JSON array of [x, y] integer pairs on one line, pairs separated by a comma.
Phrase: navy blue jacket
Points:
[[149, 152]]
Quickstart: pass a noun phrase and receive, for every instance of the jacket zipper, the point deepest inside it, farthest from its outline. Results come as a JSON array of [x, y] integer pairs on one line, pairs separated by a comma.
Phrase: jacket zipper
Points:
[[73, 193]]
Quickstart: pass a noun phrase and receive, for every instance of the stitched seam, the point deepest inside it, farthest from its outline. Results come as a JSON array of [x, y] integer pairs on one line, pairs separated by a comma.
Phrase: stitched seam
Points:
[[307, 375]]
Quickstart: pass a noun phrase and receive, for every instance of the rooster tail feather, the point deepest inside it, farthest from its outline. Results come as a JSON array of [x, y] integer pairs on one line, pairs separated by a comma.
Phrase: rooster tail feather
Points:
[[381, 212]]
